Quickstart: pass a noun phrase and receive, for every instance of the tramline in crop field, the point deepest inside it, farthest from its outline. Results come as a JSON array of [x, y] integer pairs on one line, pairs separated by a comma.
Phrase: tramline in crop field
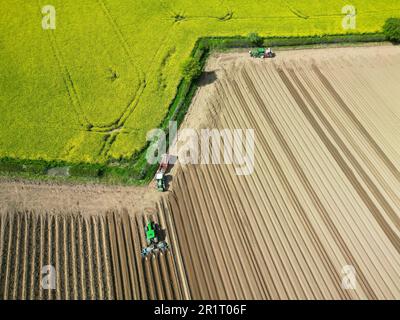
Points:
[[89, 90]]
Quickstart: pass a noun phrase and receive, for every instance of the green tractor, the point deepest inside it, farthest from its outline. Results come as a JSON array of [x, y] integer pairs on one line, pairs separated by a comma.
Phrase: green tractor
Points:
[[151, 232], [262, 53], [154, 239], [160, 180], [160, 174]]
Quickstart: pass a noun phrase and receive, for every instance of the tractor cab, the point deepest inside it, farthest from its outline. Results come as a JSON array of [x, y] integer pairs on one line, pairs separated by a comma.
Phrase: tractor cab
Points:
[[269, 53], [160, 179]]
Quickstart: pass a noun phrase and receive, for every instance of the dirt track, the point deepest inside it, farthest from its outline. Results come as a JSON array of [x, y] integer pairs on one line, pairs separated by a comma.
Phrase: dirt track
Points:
[[326, 188], [89, 199]]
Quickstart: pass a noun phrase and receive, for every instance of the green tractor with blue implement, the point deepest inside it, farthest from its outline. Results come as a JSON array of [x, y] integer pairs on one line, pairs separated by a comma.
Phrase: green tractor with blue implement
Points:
[[153, 239], [262, 53]]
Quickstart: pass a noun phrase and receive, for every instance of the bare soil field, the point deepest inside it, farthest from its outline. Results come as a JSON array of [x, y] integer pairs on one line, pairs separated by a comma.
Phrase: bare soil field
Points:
[[325, 192], [92, 235]]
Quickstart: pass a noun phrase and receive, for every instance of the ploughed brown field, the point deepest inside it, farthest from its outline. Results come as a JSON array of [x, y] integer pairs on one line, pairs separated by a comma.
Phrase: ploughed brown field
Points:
[[324, 194], [93, 236]]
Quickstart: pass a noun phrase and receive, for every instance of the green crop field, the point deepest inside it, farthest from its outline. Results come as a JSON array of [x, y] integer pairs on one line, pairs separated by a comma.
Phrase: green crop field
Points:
[[90, 90]]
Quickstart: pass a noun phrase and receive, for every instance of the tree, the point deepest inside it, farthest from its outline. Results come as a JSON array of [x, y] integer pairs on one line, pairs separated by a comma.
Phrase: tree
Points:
[[255, 39], [392, 29], [191, 69]]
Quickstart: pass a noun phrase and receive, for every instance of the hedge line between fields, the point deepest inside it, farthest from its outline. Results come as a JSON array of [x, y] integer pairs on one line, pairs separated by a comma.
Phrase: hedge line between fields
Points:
[[224, 43], [41, 167], [137, 170]]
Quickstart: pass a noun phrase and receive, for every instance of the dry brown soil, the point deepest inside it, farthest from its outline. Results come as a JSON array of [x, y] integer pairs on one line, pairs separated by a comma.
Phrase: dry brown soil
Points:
[[325, 192]]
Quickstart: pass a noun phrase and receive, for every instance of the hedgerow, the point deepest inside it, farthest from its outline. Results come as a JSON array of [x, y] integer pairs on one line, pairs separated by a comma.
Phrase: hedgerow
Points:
[[391, 29]]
